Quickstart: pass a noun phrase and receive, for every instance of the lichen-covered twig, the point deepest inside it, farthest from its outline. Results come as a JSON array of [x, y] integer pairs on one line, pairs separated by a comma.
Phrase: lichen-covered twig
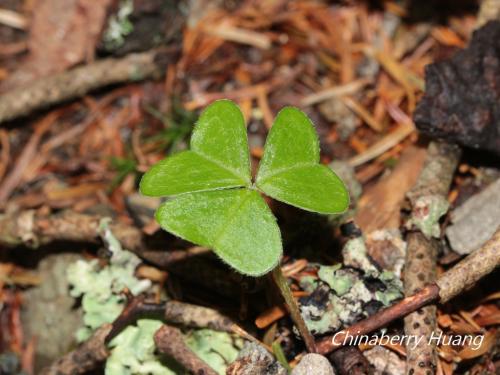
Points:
[[428, 197], [429, 202], [84, 358], [461, 277], [77, 82], [169, 341], [30, 229]]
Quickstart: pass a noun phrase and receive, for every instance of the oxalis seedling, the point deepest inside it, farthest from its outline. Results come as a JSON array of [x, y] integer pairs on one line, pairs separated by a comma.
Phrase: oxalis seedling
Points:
[[215, 203]]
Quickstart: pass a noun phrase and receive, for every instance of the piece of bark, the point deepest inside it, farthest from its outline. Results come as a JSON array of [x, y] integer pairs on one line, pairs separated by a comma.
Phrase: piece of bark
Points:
[[169, 341], [476, 220], [460, 103], [84, 358], [77, 82], [31, 229], [380, 319], [379, 207], [253, 359], [350, 361], [175, 312]]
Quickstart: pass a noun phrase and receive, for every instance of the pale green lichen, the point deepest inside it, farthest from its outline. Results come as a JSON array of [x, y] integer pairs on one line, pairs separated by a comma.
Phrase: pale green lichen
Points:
[[119, 26], [427, 211], [100, 287], [356, 255], [320, 320], [342, 295], [308, 283], [394, 288], [336, 278], [133, 352], [217, 349]]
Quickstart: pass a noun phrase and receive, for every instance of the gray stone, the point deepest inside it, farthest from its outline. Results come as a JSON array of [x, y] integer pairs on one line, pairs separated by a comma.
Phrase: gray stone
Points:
[[313, 364], [254, 359], [48, 312], [476, 220], [384, 361]]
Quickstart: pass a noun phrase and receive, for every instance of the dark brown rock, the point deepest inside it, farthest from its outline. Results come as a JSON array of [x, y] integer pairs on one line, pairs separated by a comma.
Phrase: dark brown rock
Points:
[[461, 103]]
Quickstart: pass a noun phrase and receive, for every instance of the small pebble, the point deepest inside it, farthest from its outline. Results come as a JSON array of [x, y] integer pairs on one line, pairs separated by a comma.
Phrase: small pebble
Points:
[[313, 364]]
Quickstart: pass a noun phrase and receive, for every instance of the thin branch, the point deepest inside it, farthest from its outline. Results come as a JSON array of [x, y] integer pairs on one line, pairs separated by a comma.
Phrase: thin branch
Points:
[[77, 82], [30, 229], [470, 270], [195, 316], [169, 340], [85, 358]]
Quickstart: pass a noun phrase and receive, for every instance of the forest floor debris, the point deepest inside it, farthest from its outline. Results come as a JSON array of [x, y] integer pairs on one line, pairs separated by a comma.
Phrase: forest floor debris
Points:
[[79, 126]]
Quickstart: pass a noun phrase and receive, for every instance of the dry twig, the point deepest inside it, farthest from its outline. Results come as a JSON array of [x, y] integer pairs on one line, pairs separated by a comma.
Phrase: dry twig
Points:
[[197, 317], [77, 82], [84, 358], [30, 229], [169, 341]]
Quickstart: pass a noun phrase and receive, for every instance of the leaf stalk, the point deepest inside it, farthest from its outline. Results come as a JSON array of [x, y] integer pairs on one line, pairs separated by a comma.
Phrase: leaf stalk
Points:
[[282, 284]]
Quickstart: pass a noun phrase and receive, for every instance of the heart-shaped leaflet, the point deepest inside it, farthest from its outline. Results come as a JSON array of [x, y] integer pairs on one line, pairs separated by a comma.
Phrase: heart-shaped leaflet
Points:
[[218, 158], [290, 170], [236, 223]]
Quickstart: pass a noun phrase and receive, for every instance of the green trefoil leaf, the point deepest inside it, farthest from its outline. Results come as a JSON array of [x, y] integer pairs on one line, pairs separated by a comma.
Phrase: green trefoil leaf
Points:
[[213, 202]]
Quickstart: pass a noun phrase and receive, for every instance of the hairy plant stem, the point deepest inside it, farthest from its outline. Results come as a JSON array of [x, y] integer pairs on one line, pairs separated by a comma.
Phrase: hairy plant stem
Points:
[[293, 308]]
